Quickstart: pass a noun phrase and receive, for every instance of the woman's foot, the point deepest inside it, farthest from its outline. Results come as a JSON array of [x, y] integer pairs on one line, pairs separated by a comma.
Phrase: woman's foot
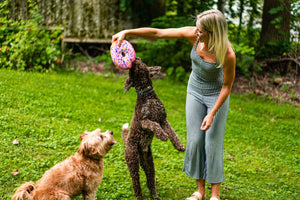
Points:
[[195, 196]]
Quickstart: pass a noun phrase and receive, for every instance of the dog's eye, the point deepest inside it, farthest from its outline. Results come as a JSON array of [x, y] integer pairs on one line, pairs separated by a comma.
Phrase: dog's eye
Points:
[[100, 137]]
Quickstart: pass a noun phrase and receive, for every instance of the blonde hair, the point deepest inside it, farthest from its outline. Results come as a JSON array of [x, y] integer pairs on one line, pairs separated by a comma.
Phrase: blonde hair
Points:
[[214, 22]]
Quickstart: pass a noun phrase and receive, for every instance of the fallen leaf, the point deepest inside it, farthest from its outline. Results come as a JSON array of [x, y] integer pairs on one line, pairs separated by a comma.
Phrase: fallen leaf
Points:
[[15, 172], [100, 120], [244, 154], [277, 80], [272, 120], [66, 119], [230, 157], [16, 142]]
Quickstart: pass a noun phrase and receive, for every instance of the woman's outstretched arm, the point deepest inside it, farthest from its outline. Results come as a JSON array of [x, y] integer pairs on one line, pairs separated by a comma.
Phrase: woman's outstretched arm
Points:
[[187, 32]]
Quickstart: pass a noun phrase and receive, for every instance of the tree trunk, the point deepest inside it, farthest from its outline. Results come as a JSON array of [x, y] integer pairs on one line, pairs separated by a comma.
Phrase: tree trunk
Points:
[[144, 11], [253, 14], [241, 11], [180, 8], [275, 32], [221, 5]]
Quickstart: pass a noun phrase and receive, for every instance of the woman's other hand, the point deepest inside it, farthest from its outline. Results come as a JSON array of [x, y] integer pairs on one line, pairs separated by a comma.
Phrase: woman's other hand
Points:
[[207, 122]]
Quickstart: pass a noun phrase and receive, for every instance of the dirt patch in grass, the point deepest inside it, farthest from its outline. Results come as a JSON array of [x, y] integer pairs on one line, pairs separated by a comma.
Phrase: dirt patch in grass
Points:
[[283, 88]]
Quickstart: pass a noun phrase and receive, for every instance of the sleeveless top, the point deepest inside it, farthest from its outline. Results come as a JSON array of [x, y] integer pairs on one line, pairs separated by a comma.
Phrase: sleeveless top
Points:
[[205, 79]]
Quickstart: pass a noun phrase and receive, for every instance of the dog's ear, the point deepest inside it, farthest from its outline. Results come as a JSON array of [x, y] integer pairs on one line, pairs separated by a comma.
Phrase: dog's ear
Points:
[[90, 151], [83, 134], [128, 84], [154, 70]]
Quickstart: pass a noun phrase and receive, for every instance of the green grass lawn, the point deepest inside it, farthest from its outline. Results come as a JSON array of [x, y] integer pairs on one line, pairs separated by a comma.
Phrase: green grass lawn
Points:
[[46, 113]]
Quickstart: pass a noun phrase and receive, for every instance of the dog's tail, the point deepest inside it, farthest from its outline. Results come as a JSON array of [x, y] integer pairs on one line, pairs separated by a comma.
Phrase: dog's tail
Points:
[[23, 192], [125, 133]]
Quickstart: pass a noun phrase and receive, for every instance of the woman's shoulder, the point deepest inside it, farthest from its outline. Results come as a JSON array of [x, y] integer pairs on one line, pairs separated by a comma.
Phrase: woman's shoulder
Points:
[[230, 54], [230, 58], [190, 34]]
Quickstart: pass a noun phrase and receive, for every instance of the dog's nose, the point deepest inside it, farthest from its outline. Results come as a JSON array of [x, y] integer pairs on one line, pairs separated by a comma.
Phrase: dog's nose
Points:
[[111, 133]]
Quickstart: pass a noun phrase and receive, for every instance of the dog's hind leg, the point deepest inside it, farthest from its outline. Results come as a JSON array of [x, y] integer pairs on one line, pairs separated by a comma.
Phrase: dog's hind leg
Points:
[[148, 166], [125, 133], [90, 195], [24, 191], [60, 196], [132, 161], [172, 136]]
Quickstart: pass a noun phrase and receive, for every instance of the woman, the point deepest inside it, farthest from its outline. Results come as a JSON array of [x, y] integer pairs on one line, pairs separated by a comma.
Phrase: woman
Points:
[[207, 102]]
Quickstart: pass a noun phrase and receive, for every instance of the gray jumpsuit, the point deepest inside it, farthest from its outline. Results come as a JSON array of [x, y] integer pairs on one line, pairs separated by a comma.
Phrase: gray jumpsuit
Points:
[[204, 149]]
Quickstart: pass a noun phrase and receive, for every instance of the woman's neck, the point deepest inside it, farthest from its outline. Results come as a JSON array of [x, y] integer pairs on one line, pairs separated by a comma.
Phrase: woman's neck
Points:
[[204, 47]]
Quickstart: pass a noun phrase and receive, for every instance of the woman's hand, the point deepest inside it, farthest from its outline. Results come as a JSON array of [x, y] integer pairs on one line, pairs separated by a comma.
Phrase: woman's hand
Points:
[[206, 124], [118, 37]]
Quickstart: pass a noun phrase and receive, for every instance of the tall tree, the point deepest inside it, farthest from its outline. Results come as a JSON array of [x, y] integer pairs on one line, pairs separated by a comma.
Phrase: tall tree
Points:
[[241, 11], [144, 11], [275, 32], [253, 13], [180, 8], [221, 5]]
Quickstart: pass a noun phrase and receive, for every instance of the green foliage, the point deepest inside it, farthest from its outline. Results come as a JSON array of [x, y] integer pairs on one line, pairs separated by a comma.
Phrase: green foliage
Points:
[[244, 57], [273, 49], [106, 58], [293, 94], [188, 7], [274, 11], [244, 49], [125, 5], [25, 46], [172, 21], [285, 87], [262, 137], [178, 74], [165, 53]]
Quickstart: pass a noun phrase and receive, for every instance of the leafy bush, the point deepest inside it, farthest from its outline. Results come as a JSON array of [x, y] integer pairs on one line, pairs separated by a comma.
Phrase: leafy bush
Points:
[[105, 58], [244, 57], [172, 55], [172, 21], [25, 46], [244, 48], [169, 54], [165, 53], [178, 74]]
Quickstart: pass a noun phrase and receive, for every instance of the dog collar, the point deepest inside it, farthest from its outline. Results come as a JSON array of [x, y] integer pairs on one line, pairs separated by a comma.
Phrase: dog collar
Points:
[[145, 91]]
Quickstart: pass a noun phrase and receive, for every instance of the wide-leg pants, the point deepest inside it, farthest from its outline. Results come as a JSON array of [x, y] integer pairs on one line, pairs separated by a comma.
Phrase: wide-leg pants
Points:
[[204, 149]]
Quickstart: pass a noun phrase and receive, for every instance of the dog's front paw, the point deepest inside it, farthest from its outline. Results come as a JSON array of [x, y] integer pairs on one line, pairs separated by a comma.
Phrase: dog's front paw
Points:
[[163, 136], [180, 148]]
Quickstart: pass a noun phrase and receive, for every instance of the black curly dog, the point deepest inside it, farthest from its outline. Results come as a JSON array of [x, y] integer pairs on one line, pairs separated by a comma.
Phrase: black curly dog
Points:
[[149, 119]]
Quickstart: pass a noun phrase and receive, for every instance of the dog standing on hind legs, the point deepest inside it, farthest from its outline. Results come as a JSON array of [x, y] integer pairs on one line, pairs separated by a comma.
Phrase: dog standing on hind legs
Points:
[[149, 119]]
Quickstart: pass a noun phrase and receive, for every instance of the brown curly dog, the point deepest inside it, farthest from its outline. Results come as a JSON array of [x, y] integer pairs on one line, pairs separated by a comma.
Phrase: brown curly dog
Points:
[[149, 119]]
